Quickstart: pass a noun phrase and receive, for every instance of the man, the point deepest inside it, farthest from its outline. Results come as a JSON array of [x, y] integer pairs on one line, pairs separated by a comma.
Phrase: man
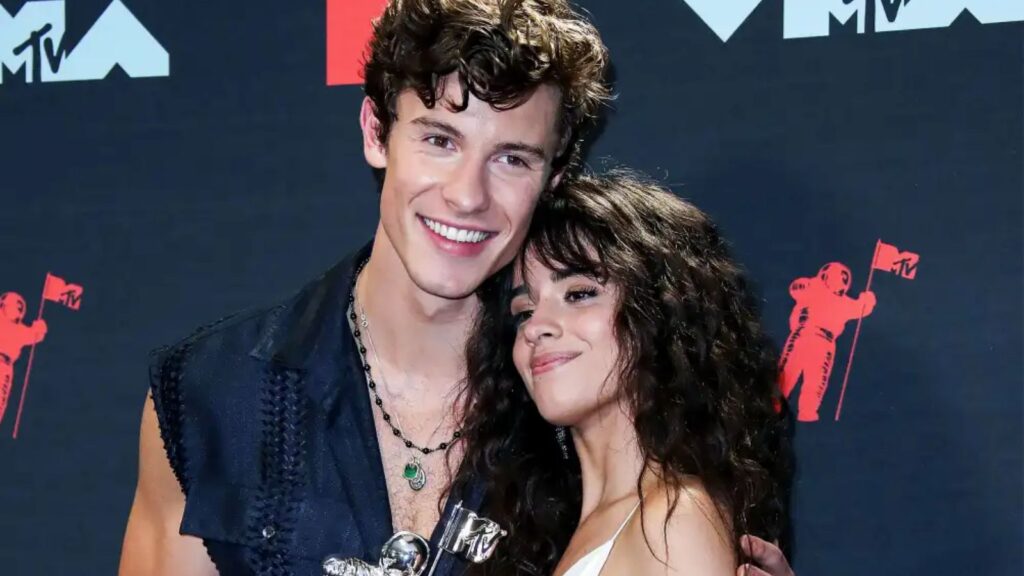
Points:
[[324, 424]]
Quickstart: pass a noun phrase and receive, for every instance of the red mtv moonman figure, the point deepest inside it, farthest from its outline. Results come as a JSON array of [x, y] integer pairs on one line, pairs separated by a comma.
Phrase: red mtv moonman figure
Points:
[[14, 335], [821, 312]]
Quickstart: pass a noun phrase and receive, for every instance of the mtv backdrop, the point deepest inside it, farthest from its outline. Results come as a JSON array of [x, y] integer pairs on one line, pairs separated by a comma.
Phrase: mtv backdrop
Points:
[[165, 163]]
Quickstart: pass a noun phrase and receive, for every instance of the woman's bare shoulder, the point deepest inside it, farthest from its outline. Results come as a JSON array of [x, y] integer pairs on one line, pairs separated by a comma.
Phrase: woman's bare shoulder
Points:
[[690, 539]]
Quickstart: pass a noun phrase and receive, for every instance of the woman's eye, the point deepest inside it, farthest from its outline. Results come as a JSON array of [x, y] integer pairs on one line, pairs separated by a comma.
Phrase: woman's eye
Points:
[[579, 294], [522, 316]]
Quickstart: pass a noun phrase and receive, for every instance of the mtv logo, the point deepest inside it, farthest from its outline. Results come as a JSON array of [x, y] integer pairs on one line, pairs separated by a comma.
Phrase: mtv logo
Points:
[[810, 18], [723, 17], [894, 15], [31, 42]]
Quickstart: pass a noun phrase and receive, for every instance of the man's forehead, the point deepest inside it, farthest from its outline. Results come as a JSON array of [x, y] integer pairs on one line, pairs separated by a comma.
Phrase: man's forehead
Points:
[[536, 117]]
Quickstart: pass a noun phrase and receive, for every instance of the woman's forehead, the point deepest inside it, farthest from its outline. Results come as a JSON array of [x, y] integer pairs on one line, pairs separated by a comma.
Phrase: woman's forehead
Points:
[[527, 268], [531, 270]]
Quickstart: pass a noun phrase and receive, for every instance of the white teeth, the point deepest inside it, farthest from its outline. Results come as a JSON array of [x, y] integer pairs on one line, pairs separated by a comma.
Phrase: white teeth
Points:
[[455, 234]]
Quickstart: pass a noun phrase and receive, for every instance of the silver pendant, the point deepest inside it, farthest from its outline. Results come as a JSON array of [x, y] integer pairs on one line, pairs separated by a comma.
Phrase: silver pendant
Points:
[[414, 474]]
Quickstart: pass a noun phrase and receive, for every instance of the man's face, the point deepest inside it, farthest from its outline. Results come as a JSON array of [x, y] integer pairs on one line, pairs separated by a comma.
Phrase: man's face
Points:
[[460, 187]]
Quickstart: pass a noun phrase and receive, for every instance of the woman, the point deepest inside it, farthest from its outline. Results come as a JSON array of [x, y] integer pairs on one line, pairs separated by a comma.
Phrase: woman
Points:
[[626, 323]]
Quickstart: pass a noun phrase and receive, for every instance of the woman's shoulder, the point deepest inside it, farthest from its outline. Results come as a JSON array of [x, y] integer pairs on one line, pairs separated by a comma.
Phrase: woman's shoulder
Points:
[[677, 531]]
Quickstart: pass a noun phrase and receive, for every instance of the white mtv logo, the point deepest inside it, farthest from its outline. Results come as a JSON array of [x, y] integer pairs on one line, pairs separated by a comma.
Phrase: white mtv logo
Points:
[[32, 41], [808, 18]]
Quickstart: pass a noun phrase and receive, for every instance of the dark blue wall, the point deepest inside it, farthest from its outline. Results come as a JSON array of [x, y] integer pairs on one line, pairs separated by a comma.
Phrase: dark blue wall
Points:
[[225, 184]]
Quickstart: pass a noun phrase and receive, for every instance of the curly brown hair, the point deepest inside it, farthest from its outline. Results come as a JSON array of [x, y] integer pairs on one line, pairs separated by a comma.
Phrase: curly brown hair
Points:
[[501, 51], [695, 369]]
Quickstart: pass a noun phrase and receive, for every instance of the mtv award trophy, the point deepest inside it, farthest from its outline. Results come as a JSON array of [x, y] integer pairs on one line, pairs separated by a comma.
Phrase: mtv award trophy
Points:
[[466, 535]]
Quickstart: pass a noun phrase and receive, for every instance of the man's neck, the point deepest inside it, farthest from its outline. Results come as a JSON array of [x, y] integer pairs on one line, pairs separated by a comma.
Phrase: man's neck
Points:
[[421, 334]]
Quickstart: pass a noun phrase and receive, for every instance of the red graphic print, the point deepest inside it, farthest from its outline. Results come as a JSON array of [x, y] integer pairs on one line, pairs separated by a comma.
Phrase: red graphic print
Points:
[[819, 316], [349, 27], [15, 334], [57, 290], [890, 259]]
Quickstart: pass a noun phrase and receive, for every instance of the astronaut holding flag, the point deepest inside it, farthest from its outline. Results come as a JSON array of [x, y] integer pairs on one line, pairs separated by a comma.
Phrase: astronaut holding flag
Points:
[[15, 335], [822, 308]]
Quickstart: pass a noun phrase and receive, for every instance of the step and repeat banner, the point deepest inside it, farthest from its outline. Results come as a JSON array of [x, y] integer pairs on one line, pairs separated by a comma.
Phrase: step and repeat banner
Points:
[[165, 163]]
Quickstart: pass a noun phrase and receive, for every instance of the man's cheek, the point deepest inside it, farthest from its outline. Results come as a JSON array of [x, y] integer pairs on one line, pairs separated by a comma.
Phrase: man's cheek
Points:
[[525, 206]]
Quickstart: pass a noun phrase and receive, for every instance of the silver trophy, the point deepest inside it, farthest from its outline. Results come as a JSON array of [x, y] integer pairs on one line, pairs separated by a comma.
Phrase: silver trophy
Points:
[[404, 554], [470, 536], [466, 535]]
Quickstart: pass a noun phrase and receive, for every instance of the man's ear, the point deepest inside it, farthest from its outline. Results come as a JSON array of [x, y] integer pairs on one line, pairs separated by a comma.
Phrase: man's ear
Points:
[[556, 178], [374, 149]]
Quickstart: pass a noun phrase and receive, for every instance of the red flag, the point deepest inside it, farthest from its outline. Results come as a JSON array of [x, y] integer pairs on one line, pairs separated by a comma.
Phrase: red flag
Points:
[[890, 259], [58, 290]]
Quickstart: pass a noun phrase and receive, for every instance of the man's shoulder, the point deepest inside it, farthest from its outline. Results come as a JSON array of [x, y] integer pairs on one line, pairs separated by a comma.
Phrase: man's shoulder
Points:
[[234, 334], [259, 330]]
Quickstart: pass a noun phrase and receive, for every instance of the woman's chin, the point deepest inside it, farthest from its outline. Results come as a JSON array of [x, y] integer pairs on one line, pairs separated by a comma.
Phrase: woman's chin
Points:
[[558, 415]]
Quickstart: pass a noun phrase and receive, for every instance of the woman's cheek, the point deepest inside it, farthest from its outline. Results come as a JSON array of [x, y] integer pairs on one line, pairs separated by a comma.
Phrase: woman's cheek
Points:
[[521, 358]]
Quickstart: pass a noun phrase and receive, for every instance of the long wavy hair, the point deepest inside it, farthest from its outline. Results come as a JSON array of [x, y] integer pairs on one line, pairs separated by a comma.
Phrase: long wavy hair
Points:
[[695, 370]]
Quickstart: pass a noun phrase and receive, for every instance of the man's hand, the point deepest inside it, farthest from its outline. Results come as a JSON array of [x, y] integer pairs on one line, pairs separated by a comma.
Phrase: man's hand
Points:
[[768, 558]]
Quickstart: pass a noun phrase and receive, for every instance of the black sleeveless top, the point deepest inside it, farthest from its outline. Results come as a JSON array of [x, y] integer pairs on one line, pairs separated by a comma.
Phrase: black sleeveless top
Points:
[[269, 429]]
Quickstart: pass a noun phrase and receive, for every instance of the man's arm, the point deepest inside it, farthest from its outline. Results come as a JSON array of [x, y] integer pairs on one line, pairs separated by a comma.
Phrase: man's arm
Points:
[[768, 557], [153, 545]]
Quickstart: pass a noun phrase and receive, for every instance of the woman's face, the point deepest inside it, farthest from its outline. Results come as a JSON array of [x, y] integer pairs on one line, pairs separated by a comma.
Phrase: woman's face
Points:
[[565, 348]]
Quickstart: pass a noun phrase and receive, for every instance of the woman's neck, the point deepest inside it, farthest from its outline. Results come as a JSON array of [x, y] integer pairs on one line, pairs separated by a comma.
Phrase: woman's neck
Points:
[[610, 458]]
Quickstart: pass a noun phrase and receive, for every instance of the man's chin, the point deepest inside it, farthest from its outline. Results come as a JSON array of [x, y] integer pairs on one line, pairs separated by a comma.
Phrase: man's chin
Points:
[[448, 279], [450, 288]]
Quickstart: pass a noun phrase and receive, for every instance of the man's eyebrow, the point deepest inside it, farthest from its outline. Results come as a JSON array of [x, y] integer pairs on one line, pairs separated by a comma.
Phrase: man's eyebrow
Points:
[[536, 151], [438, 125], [519, 291]]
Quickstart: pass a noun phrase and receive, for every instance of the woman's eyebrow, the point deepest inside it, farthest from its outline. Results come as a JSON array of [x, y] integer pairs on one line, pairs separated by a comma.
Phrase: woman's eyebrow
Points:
[[556, 276]]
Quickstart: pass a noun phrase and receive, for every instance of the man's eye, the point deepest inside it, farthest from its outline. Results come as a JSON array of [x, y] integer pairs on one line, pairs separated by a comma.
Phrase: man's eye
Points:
[[439, 141], [513, 160], [580, 294]]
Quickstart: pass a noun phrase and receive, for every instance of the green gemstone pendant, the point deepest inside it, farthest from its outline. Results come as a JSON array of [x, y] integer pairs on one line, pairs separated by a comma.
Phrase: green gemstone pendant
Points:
[[410, 471], [414, 474]]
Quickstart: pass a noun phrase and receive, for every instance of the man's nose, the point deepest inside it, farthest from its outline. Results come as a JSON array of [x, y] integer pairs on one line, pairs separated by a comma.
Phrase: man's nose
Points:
[[467, 191]]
